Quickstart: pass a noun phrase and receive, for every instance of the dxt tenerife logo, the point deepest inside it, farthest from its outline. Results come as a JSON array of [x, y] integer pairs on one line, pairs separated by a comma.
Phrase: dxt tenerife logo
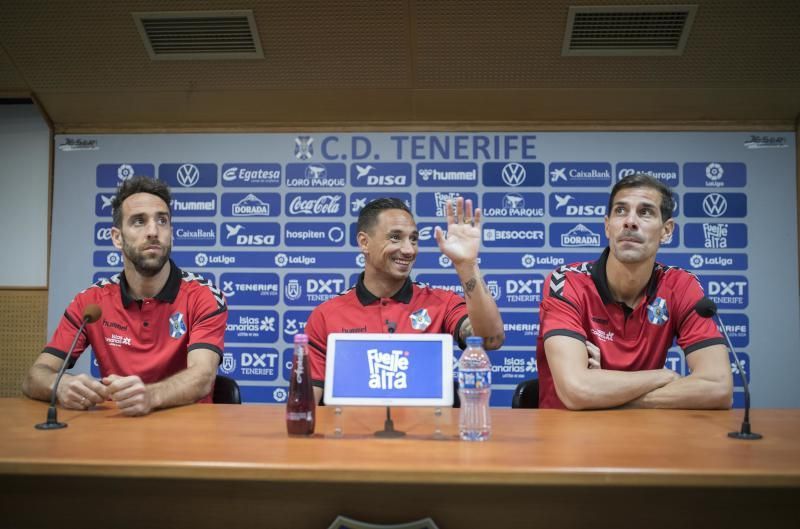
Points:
[[113, 174], [514, 234], [251, 174], [435, 204], [303, 147], [580, 174], [359, 200], [315, 204], [251, 234], [194, 233], [455, 174], [388, 370], [714, 174], [314, 234], [251, 204], [516, 290], [665, 172], [316, 175], [513, 174], [311, 289], [380, 175], [188, 174], [584, 235], [715, 235], [578, 204], [194, 204], [513, 204], [254, 363], [250, 289], [728, 292], [715, 205]]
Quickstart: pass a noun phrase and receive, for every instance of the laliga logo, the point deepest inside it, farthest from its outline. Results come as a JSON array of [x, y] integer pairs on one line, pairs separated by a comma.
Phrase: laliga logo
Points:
[[188, 175], [714, 171], [361, 260], [696, 261], [279, 394], [444, 261], [201, 259], [113, 259], [281, 260], [124, 172], [528, 260], [513, 174]]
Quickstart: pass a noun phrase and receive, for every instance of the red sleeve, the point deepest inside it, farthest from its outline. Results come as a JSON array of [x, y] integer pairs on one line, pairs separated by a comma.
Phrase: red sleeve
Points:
[[455, 312], [317, 333], [693, 331], [207, 330], [560, 313], [65, 332]]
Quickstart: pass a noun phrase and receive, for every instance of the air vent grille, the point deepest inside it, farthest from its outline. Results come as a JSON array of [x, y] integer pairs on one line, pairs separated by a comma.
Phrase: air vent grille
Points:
[[200, 35], [628, 30]]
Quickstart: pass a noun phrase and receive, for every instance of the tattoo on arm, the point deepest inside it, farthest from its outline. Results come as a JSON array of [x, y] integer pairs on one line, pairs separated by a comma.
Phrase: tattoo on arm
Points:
[[469, 286], [465, 331]]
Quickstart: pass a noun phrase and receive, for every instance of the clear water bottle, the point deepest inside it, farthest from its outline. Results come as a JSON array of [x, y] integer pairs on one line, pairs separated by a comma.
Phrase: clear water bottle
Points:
[[474, 388], [300, 406]]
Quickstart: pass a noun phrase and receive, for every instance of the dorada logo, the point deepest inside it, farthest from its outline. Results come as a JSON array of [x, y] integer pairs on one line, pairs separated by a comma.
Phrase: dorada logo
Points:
[[321, 205], [513, 174], [580, 236], [303, 147], [250, 206], [387, 370], [124, 172], [188, 175], [715, 205]]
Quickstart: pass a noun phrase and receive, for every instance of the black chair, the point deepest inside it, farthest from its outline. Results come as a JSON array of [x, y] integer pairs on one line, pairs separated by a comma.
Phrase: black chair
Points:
[[526, 395], [226, 391]]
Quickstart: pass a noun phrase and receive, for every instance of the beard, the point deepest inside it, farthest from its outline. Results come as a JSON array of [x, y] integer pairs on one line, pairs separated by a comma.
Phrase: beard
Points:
[[146, 266]]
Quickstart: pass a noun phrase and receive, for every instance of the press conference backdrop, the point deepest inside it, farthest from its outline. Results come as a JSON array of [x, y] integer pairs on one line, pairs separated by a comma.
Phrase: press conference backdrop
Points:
[[271, 217]]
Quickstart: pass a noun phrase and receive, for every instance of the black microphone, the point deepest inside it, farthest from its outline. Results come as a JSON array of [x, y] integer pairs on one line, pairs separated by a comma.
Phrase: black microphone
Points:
[[392, 325], [706, 308], [91, 314]]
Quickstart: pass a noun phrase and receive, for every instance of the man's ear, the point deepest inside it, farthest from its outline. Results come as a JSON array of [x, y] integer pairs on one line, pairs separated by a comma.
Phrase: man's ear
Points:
[[116, 237], [363, 241], [669, 227]]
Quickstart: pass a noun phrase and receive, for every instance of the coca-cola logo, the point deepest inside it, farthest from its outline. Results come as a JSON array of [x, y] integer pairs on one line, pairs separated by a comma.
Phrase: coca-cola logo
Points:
[[321, 205]]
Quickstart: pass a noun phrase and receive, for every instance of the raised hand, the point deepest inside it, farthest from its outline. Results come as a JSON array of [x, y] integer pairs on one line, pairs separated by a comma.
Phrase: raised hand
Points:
[[463, 232]]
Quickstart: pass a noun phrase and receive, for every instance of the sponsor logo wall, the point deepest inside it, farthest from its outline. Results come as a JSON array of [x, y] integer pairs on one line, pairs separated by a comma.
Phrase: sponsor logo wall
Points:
[[273, 222]]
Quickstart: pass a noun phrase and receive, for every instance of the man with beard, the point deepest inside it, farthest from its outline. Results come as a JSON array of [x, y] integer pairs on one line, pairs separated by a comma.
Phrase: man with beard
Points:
[[386, 300], [160, 338], [631, 308]]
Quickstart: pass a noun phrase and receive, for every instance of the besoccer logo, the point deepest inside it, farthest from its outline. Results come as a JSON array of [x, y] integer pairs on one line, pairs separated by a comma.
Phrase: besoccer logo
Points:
[[387, 370], [124, 172]]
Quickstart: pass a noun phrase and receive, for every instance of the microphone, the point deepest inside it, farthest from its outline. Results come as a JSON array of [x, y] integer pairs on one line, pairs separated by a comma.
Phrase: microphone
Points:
[[392, 325], [91, 314], [706, 308]]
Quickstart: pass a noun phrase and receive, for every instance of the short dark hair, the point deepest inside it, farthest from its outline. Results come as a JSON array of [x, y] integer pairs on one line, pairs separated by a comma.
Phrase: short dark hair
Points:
[[138, 184], [368, 216], [643, 180]]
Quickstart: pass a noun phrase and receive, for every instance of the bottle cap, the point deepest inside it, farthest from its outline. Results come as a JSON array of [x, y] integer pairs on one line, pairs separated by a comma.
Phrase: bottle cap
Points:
[[300, 338], [474, 341]]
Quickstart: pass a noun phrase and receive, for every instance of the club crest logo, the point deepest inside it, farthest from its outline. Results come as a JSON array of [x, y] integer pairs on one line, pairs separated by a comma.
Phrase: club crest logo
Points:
[[420, 319], [303, 148], [228, 363], [657, 313], [177, 327]]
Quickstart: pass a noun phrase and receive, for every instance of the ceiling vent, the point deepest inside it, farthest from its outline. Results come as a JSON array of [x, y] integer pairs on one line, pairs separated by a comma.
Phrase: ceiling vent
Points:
[[200, 35], [628, 30]]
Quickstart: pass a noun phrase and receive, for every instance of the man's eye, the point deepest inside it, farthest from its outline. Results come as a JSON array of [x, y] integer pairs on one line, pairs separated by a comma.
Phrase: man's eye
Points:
[[619, 210]]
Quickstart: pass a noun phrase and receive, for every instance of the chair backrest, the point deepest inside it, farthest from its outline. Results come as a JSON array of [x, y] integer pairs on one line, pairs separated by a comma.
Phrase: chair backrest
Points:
[[526, 395], [226, 391]]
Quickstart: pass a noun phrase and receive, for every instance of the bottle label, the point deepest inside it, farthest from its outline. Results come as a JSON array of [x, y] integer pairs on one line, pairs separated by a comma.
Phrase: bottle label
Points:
[[299, 416], [475, 379]]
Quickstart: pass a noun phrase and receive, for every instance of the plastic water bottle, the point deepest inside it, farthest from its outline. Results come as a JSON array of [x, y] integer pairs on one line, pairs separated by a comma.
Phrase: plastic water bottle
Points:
[[300, 406], [474, 388]]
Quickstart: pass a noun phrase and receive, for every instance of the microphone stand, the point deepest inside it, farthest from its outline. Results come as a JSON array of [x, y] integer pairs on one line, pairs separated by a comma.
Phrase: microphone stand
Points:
[[744, 433]]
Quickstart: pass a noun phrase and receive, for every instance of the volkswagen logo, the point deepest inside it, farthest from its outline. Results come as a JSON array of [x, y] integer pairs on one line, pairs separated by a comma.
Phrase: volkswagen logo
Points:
[[188, 175], [513, 174], [715, 205]]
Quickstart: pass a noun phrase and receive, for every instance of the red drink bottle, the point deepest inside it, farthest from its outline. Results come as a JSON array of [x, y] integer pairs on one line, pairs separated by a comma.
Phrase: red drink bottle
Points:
[[300, 407]]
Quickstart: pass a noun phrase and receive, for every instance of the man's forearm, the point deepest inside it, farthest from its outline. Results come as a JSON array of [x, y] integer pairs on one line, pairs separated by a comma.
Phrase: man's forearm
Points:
[[602, 388], [483, 313], [39, 382], [691, 392], [185, 387]]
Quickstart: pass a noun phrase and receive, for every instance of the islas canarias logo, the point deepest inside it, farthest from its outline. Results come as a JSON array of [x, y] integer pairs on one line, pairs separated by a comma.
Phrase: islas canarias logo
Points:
[[387, 370]]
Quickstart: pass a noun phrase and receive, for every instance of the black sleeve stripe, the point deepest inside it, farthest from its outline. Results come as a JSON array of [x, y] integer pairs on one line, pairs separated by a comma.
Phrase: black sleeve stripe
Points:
[[457, 335], [218, 311], [60, 354], [562, 298], [205, 346], [564, 332], [321, 348], [77, 325], [318, 383], [705, 343]]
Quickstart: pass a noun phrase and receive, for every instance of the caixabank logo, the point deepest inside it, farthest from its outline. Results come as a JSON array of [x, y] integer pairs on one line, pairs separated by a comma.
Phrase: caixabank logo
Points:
[[188, 174], [513, 174], [728, 292], [250, 234], [576, 204], [715, 235], [194, 204], [251, 363], [714, 174], [250, 288], [316, 175], [252, 326], [513, 234], [194, 233], [113, 174], [464, 174], [435, 204], [311, 289], [251, 175], [359, 200], [579, 174], [513, 204], [665, 172], [380, 174]]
